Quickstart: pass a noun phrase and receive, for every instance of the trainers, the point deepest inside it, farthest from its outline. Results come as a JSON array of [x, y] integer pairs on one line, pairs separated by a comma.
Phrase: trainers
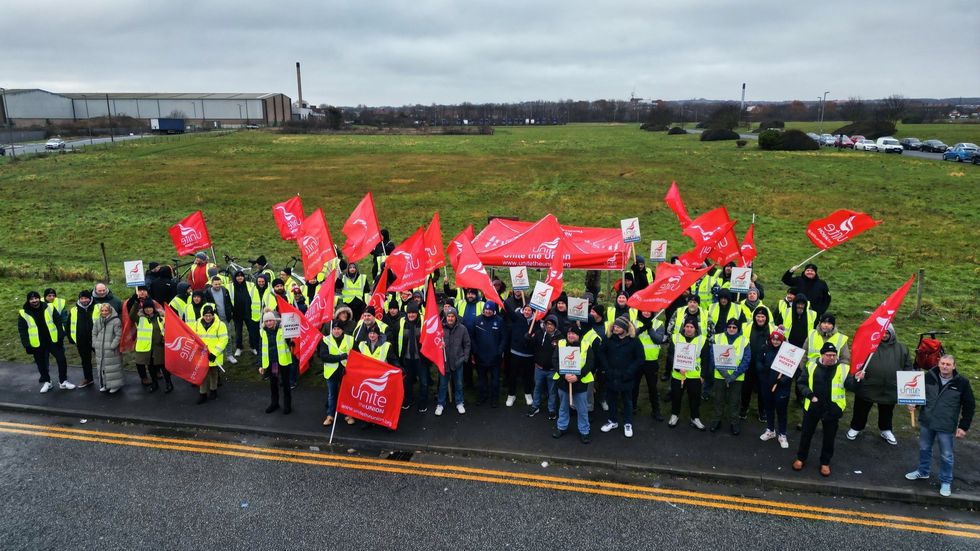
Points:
[[672, 422], [85, 383], [529, 399], [460, 409], [605, 405], [533, 411], [423, 409], [438, 411], [889, 437], [585, 438], [852, 434], [66, 386], [916, 475], [238, 352], [944, 490], [45, 387], [609, 426], [232, 359], [768, 435], [101, 389], [552, 415], [628, 430], [559, 433], [783, 442], [510, 400], [696, 423]]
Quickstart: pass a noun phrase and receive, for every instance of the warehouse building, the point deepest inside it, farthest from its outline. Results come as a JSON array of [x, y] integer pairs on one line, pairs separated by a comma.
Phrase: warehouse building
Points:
[[33, 107]]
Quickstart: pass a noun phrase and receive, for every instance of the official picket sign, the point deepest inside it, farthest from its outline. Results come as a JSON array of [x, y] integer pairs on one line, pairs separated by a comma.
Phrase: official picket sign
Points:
[[658, 251], [290, 326], [788, 359], [725, 357], [741, 280], [135, 275], [518, 278], [541, 297], [578, 309], [685, 356], [911, 387], [631, 230]]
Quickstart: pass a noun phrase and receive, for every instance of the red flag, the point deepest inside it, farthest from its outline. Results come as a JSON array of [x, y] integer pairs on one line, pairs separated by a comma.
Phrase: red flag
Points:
[[288, 216], [371, 391], [839, 227], [456, 245], [362, 230], [315, 245], [726, 249], [378, 296], [695, 257], [185, 354], [190, 234], [433, 339], [868, 336], [320, 310], [471, 273], [670, 283], [676, 204], [305, 345], [407, 262], [709, 227], [747, 249], [556, 273], [435, 258]]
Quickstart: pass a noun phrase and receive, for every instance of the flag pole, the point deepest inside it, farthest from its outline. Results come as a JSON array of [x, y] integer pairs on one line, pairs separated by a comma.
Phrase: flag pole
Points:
[[814, 255], [866, 362], [333, 428]]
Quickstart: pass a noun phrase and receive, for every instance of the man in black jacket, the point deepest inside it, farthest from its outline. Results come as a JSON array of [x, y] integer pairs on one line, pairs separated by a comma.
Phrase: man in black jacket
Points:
[[822, 387], [41, 335], [543, 342], [810, 285], [949, 398]]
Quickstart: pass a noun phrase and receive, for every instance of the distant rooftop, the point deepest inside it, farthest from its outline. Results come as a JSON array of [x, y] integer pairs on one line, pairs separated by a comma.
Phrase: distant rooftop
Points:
[[150, 95]]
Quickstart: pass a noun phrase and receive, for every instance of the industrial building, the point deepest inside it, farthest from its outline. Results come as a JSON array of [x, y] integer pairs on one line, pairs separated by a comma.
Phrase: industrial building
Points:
[[35, 107]]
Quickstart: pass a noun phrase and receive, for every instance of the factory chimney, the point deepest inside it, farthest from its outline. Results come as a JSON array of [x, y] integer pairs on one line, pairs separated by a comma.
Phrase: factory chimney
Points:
[[299, 86]]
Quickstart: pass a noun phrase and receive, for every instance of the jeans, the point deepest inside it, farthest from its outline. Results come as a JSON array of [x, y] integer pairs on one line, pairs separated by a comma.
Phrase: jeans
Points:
[[544, 382], [489, 381], [775, 405], [614, 397], [862, 408], [581, 400], [926, 438], [457, 376], [333, 390]]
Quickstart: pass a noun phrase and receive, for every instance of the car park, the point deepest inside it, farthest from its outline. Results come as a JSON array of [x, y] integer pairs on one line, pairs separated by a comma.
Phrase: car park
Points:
[[933, 146], [844, 141], [865, 145], [888, 144], [55, 143], [960, 152], [911, 144]]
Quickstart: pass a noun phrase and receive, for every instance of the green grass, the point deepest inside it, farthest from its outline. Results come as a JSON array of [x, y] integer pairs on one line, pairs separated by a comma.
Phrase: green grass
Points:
[[58, 209], [949, 132]]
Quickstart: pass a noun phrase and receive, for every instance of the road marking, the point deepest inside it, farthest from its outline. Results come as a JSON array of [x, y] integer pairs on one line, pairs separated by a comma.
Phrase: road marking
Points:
[[502, 477]]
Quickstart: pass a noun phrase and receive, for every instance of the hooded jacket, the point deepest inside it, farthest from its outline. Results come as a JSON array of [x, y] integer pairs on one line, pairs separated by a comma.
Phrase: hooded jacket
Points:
[[349, 324], [489, 339], [106, 335], [621, 359], [110, 298], [457, 340], [880, 382], [950, 406], [37, 314], [815, 289]]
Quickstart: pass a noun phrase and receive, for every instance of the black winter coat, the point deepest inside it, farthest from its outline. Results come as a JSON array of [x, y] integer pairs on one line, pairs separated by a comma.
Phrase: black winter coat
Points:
[[621, 359]]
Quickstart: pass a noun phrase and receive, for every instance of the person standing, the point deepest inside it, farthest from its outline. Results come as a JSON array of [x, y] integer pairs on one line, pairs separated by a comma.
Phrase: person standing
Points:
[[81, 318], [336, 346], [275, 358], [220, 297], [488, 348], [102, 294], [775, 391], [150, 347], [520, 360], [822, 388], [688, 380], [409, 342], [878, 386], [729, 380], [650, 333], [215, 336], [197, 276], [106, 334], [578, 385], [543, 341], [621, 357], [41, 337], [457, 351], [947, 414], [811, 285], [245, 311], [757, 332]]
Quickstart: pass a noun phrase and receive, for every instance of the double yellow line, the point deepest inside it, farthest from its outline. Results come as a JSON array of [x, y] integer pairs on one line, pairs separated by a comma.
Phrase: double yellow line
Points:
[[698, 499]]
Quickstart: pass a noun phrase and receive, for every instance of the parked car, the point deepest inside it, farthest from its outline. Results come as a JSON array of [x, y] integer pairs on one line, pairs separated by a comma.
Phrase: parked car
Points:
[[960, 152], [976, 157], [933, 146], [813, 136], [844, 141], [889, 144], [55, 143], [855, 138], [827, 139], [910, 143], [865, 145]]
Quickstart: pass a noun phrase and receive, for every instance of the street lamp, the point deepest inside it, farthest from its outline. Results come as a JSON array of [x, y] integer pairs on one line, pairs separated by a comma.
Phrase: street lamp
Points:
[[6, 122], [823, 101]]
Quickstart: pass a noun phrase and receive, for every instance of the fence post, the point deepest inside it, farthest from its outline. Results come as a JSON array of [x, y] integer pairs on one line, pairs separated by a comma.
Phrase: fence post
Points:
[[920, 279]]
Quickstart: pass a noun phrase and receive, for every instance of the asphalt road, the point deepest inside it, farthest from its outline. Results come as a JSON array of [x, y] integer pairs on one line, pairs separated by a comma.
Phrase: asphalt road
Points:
[[93, 485], [69, 144]]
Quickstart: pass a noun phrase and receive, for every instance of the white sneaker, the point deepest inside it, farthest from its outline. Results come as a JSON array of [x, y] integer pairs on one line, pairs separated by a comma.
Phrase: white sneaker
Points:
[[45, 387], [605, 405], [438, 411], [238, 352], [609, 426], [529, 399], [114, 390], [945, 490], [768, 435], [696, 423], [783, 442], [460, 409], [511, 400], [232, 359], [628, 430], [255, 352], [916, 475], [103, 389], [852, 434], [672, 422], [66, 386], [889, 437]]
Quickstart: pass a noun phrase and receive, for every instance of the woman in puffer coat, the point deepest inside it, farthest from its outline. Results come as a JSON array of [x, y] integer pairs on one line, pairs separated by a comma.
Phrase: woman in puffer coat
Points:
[[106, 333]]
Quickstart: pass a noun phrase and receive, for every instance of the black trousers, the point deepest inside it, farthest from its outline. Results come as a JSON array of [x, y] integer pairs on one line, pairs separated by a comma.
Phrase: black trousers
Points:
[[811, 418], [750, 385], [287, 395], [41, 359], [154, 373], [693, 389], [862, 408], [519, 367], [649, 371], [85, 352]]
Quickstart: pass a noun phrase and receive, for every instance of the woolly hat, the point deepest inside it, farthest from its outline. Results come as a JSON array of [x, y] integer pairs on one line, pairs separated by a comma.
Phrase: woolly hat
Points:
[[777, 334], [829, 318], [278, 281], [828, 347], [490, 306], [563, 297], [623, 323], [202, 255], [269, 316], [640, 259], [451, 310], [85, 293], [412, 308], [50, 291], [694, 298], [32, 294], [208, 309]]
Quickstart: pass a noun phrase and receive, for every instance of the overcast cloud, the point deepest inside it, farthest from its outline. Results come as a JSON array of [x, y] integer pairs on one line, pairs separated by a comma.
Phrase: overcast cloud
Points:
[[378, 52]]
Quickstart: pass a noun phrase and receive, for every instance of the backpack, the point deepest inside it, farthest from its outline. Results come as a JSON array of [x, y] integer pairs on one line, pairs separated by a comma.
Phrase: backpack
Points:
[[928, 352]]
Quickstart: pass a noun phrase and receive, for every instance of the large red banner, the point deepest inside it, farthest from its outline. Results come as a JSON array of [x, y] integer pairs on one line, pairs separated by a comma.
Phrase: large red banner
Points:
[[371, 391], [190, 234], [185, 354], [315, 244], [842, 225], [288, 216], [868, 336], [362, 230]]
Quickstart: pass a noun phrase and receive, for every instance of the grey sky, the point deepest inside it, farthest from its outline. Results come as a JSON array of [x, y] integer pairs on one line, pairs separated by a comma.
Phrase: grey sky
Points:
[[379, 52]]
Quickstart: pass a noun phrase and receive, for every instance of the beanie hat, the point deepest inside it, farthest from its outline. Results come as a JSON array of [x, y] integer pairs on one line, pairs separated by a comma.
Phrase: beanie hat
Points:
[[202, 255], [50, 291], [732, 321], [573, 328], [148, 303], [138, 288], [623, 323], [32, 294], [374, 329], [563, 297], [208, 309], [640, 259], [777, 334], [694, 298], [792, 291], [490, 306], [800, 299], [810, 265], [85, 293], [598, 309], [412, 308], [213, 271], [278, 281], [629, 276], [725, 294], [182, 287], [829, 318], [287, 270], [260, 260], [451, 310], [828, 347], [269, 316], [753, 289], [589, 297], [622, 294]]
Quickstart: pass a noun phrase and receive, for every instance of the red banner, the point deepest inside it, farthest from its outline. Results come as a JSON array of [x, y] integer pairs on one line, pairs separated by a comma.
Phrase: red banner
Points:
[[362, 230], [435, 258], [532, 244], [676, 204], [556, 272], [471, 273], [309, 336], [185, 354], [433, 338], [315, 245], [709, 227], [190, 234], [670, 283], [288, 216], [320, 310], [868, 336], [371, 391], [456, 245], [695, 257], [378, 296], [840, 226], [747, 249], [726, 249], [408, 262]]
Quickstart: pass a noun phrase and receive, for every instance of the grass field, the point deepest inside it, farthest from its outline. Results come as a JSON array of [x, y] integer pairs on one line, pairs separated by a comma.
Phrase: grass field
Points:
[[949, 133], [58, 209]]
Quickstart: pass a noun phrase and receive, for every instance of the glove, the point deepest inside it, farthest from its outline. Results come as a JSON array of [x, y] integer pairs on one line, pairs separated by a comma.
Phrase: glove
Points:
[[343, 356], [729, 379], [211, 357]]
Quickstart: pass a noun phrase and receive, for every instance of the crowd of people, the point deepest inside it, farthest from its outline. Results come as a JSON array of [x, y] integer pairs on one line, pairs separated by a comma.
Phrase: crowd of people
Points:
[[489, 345]]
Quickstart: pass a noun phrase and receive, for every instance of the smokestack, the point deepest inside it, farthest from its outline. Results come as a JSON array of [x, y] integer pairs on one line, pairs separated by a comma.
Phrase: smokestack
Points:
[[299, 85]]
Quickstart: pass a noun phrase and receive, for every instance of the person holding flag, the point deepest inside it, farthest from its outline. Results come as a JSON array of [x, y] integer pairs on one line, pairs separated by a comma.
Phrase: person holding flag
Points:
[[336, 347], [878, 385], [215, 337], [408, 336], [275, 359], [197, 276], [377, 347], [810, 284], [822, 386], [578, 385], [457, 354]]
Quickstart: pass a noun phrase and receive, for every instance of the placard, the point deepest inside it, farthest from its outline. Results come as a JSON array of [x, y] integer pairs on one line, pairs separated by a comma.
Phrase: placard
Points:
[[518, 278], [788, 359], [741, 280], [725, 359], [568, 360], [289, 325], [911, 388], [685, 356], [631, 230], [658, 251], [134, 273], [578, 309], [541, 297]]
